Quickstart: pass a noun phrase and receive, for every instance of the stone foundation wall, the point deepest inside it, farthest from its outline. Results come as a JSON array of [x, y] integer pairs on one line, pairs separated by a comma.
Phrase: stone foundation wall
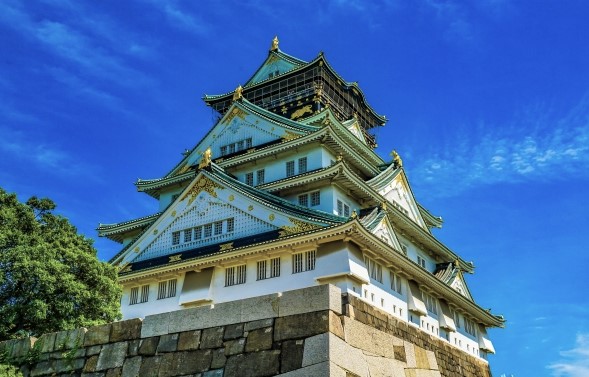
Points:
[[308, 332]]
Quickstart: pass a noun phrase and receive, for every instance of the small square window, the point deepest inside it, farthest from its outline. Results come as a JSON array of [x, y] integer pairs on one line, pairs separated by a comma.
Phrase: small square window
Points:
[[304, 200], [315, 198]]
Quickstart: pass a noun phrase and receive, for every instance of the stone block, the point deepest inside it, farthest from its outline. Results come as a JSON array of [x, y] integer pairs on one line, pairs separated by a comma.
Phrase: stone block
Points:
[[46, 342], [189, 340], [235, 346], [112, 356], [368, 338], [431, 358], [384, 367], [90, 365], [212, 338], [301, 325], [400, 353], [131, 367], [93, 350], [43, 368], [126, 330], [167, 343], [233, 331], [328, 347], [150, 366], [291, 355], [116, 372], [249, 326], [133, 347], [335, 325], [17, 349], [148, 346], [75, 338], [60, 340], [183, 363], [93, 374], [313, 299], [219, 359], [421, 360], [261, 307], [69, 365], [97, 335], [213, 373], [187, 319], [157, 324], [260, 339], [324, 369], [410, 355], [225, 313], [254, 364]]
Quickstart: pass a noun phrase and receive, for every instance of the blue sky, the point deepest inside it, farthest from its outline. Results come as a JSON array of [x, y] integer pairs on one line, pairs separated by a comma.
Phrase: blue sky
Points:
[[487, 101]]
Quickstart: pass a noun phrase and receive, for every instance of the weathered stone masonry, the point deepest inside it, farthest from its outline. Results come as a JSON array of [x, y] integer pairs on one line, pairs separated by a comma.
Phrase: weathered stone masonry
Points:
[[308, 332]]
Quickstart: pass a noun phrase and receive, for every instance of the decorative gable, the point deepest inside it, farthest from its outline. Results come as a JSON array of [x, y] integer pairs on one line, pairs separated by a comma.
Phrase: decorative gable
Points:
[[385, 232], [276, 64]]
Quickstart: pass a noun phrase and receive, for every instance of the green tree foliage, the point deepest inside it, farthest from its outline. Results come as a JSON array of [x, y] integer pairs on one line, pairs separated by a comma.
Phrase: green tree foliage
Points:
[[50, 278]]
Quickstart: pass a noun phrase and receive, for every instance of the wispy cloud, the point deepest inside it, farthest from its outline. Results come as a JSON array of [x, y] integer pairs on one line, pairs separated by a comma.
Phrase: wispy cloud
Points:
[[574, 362], [181, 18], [536, 148], [453, 17]]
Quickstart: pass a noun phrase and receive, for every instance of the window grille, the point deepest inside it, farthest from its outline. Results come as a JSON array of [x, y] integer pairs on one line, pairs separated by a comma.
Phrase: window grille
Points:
[[248, 142], [343, 209], [240, 145], [302, 165], [145, 293], [230, 225], [304, 200], [231, 148], [469, 327], [208, 230], [261, 270], [396, 283], [223, 150], [166, 289], [421, 261], [175, 238], [218, 227], [315, 198], [134, 297], [198, 233], [374, 269], [303, 261], [290, 168], [249, 179], [235, 275], [275, 267], [188, 235], [430, 303], [260, 176]]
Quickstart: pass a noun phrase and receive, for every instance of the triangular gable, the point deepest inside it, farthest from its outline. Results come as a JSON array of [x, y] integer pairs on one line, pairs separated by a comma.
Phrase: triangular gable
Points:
[[241, 128], [394, 186], [385, 232], [275, 64], [458, 283], [354, 127], [207, 200]]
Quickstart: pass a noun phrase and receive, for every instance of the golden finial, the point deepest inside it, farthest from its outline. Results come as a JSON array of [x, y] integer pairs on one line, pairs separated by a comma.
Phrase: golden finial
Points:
[[383, 205], [238, 94], [340, 157], [206, 159], [397, 162], [354, 214], [274, 46], [457, 264]]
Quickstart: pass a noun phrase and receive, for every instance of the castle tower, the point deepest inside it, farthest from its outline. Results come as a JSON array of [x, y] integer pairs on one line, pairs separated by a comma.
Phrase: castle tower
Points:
[[286, 191]]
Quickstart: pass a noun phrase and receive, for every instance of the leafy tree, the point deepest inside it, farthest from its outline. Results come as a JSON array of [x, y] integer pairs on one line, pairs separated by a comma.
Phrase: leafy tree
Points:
[[50, 278]]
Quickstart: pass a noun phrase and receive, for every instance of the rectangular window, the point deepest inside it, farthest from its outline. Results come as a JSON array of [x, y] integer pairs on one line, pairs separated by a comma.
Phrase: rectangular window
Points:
[[230, 225], [208, 230], [144, 293], [188, 235], [218, 228], [235, 275], [469, 327], [457, 319], [275, 267], [175, 238], [430, 303], [198, 233], [261, 268], [315, 198], [248, 142], [343, 209], [290, 168], [304, 200], [231, 148], [134, 297], [303, 261], [421, 261], [249, 179], [374, 269], [302, 165], [404, 249], [396, 283], [223, 150], [240, 145], [162, 291], [260, 176]]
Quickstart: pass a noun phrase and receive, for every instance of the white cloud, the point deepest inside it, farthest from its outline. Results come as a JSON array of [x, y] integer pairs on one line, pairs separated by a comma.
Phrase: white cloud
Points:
[[535, 148], [574, 362]]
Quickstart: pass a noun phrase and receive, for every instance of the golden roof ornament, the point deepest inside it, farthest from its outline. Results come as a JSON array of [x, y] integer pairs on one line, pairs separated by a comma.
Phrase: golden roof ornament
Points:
[[206, 159], [457, 264], [238, 93], [397, 162], [274, 46], [354, 214], [383, 205]]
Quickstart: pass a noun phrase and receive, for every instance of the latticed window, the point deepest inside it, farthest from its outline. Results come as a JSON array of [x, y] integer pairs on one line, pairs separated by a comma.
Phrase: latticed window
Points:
[[198, 233], [134, 297], [166, 289], [188, 235], [231, 148], [374, 269], [261, 267], [303, 261], [274, 267], [235, 275], [223, 150], [302, 165], [315, 198], [396, 283], [343, 209], [208, 230], [249, 179], [421, 261], [144, 293], [290, 168], [404, 249], [430, 303], [230, 225], [248, 142], [240, 145], [175, 238], [469, 327], [260, 176], [304, 200], [218, 227]]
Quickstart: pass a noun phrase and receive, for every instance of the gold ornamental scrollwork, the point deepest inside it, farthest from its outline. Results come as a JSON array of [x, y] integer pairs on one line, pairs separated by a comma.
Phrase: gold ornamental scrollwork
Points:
[[236, 112], [203, 184], [297, 227], [226, 246], [175, 258], [290, 135]]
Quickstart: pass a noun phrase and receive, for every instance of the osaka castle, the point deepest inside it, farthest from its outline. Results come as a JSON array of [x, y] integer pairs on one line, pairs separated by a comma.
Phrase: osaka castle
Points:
[[286, 191]]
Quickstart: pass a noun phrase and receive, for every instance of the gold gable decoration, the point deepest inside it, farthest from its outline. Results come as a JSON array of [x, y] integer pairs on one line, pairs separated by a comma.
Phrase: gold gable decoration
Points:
[[297, 227], [203, 184], [236, 112]]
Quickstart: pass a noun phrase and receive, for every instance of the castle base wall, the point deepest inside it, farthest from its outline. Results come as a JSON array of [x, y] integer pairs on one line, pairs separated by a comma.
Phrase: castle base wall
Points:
[[307, 332]]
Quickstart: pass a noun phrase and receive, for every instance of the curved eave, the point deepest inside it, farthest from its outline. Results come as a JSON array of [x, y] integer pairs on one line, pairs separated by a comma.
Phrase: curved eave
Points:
[[117, 231], [431, 220], [320, 58], [153, 186], [333, 140], [281, 55]]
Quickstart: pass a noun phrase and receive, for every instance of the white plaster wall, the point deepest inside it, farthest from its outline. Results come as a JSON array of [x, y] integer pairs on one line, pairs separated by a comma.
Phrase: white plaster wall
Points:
[[413, 251], [153, 305]]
